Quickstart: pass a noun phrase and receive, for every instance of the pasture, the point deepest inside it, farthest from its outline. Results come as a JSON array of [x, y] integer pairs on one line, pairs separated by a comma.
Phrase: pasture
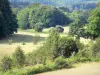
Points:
[[17, 40]]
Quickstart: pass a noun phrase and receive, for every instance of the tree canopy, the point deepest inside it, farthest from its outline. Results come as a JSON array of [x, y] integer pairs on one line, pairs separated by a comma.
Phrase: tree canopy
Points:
[[48, 15], [93, 28], [8, 22]]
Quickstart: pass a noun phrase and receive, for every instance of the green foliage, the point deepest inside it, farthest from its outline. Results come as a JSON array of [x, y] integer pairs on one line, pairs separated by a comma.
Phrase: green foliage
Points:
[[31, 70], [22, 17], [52, 43], [8, 22], [36, 14], [76, 28], [93, 28], [96, 48], [60, 62], [19, 57], [38, 27], [66, 47], [6, 64]]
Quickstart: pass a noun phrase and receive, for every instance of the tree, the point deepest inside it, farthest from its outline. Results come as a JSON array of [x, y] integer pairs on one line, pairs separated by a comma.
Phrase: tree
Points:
[[9, 23], [19, 57], [6, 63], [51, 44], [93, 28], [22, 17], [49, 16]]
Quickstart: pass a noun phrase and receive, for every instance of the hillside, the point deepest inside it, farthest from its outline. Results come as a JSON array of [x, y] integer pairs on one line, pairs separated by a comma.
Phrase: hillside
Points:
[[56, 2]]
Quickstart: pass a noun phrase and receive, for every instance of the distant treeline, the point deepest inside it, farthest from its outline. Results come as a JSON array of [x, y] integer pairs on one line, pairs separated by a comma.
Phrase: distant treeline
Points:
[[72, 4]]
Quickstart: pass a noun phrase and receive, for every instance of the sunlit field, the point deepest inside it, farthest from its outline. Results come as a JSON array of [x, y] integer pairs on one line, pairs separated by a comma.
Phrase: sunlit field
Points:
[[17, 40]]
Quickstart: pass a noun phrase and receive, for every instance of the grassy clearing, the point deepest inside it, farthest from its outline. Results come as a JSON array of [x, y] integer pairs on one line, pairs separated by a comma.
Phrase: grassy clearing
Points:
[[17, 40]]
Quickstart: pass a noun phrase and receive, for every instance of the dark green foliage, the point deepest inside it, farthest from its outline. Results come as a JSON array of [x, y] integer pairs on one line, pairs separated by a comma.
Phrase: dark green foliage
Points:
[[6, 63], [66, 47], [38, 27], [19, 57], [80, 19], [8, 22]]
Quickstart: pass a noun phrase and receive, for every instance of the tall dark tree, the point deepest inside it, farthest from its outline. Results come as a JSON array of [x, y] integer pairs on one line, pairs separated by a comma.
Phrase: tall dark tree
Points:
[[8, 22]]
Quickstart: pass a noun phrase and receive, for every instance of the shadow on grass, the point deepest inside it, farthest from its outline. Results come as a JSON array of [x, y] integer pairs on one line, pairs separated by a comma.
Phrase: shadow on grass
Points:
[[18, 38]]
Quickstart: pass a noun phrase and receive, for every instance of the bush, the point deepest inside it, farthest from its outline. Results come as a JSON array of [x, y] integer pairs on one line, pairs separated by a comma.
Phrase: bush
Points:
[[66, 47], [60, 63], [19, 57], [51, 44], [96, 48], [6, 64]]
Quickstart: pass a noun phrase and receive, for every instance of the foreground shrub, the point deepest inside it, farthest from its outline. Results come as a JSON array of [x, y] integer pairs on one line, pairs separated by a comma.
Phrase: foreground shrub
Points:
[[60, 63], [51, 44], [6, 64], [19, 57], [66, 47], [31, 70], [96, 48]]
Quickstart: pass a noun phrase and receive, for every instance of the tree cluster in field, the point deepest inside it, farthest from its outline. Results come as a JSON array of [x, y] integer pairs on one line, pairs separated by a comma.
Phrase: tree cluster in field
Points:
[[8, 22], [41, 16], [87, 24]]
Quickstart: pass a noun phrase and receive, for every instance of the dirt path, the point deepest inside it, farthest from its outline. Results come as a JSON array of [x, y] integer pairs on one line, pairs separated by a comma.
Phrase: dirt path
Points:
[[82, 69]]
